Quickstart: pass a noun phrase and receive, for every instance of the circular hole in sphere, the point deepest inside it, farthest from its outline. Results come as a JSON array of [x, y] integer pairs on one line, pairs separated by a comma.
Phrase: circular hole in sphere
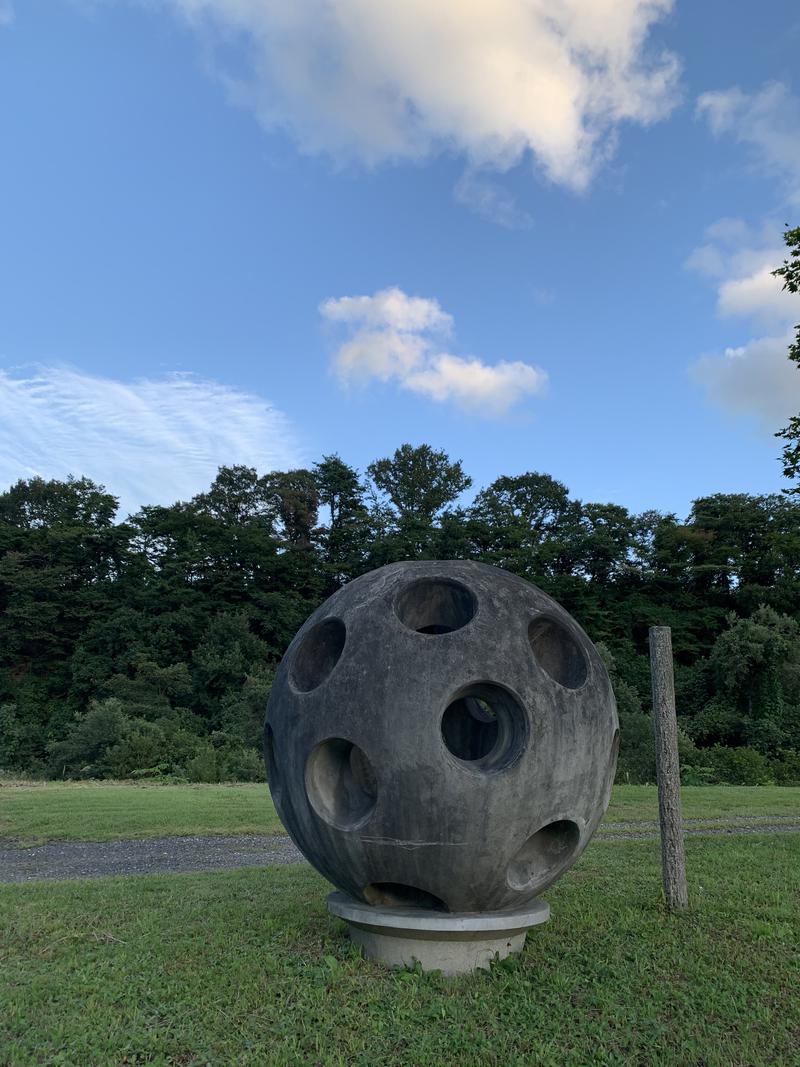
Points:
[[435, 606], [557, 652], [396, 895], [485, 726], [544, 854], [340, 783], [318, 654]]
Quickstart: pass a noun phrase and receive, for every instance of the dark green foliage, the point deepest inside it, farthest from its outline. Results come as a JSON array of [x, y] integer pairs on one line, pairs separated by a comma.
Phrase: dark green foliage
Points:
[[738, 766], [146, 648], [756, 668], [790, 272], [637, 751], [87, 748], [786, 767], [411, 491]]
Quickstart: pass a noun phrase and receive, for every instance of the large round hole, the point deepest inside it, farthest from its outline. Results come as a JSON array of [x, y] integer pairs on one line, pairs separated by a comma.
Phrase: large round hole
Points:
[[318, 654], [557, 652], [435, 606], [340, 783], [396, 895], [544, 855], [485, 726]]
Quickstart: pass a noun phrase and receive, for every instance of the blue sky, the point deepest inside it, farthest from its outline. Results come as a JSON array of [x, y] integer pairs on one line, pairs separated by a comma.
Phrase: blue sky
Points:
[[240, 231]]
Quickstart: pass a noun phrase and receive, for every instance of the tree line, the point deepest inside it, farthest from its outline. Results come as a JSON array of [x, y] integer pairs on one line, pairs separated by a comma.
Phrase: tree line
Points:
[[146, 647]]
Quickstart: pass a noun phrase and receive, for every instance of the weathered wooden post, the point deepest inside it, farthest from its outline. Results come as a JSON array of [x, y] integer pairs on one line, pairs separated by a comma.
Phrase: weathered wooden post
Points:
[[665, 723]]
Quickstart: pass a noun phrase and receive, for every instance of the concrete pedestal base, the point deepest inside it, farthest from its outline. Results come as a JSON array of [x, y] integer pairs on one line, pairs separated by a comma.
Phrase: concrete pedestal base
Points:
[[440, 941]]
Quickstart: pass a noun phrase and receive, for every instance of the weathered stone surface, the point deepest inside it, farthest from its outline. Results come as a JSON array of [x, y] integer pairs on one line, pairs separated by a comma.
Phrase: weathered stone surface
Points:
[[441, 735]]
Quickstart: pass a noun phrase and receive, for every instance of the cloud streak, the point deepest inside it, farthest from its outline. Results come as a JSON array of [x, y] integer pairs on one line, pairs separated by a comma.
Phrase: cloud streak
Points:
[[152, 441], [493, 80], [398, 338], [489, 200]]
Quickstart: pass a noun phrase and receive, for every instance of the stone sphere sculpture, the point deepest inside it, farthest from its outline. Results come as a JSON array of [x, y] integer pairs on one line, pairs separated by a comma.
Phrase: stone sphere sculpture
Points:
[[441, 736]]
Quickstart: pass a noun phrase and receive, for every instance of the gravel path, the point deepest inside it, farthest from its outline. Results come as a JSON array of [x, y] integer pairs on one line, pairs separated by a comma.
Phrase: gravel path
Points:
[[61, 860], [156, 855], [649, 831]]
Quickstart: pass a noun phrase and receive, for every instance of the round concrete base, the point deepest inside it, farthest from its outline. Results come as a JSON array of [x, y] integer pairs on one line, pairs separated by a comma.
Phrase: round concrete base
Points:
[[440, 941]]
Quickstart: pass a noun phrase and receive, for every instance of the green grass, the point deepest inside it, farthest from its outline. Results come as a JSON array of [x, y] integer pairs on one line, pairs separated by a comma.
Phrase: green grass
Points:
[[33, 813], [247, 968], [105, 811], [634, 802]]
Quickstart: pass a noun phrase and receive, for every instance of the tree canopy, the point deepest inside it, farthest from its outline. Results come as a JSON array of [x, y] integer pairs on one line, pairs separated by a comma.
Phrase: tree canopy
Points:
[[147, 646], [790, 272]]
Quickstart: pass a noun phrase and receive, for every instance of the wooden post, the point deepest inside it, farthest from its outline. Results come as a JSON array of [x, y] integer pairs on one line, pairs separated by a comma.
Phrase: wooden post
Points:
[[673, 862]]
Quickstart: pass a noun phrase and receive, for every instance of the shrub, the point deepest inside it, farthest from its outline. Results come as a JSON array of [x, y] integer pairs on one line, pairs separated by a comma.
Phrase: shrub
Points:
[[160, 771], [83, 753], [738, 766], [637, 750], [203, 767], [696, 774], [10, 735], [636, 763], [786, 768], [240, 764], [143, 745]]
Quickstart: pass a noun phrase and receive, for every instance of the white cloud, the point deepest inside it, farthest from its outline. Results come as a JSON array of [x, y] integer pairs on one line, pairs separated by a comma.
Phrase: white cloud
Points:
[[756, 377], [151, 441], [389, 307], [756, 294], [381, 354], [740, 260], [768, 121], [489, 79], [394, 337], [475, 386], [491, 201], [6, 13]]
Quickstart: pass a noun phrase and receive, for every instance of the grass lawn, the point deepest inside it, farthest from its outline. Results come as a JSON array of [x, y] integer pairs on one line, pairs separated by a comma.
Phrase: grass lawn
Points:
[[105, 811], [247, 968], [634, 802], [33, 813]]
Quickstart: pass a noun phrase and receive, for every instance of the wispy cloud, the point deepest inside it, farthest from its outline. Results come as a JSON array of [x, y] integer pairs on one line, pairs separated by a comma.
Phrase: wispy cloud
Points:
[[6, 13], [768, 121], [544, 295], [754, 377], [151, 441], [395, 337], [491, 201], [490, 79]]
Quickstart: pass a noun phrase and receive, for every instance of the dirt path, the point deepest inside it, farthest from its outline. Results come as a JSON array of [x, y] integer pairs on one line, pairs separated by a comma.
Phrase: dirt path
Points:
[[62, 860]]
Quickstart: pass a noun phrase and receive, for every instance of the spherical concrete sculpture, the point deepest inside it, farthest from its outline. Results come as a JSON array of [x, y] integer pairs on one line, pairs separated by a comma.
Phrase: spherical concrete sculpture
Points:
[[441, 739]]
